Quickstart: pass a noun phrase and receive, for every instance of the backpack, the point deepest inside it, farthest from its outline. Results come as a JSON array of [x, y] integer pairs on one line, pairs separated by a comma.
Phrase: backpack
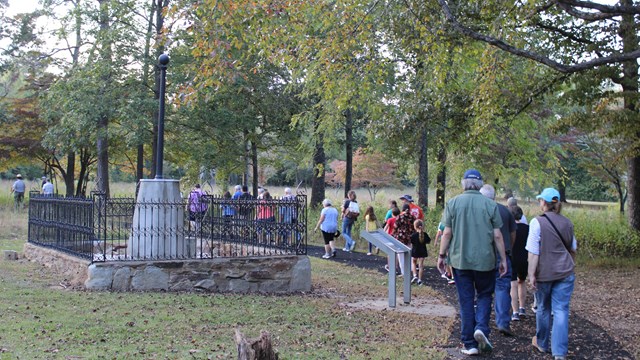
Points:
[[353, 210]]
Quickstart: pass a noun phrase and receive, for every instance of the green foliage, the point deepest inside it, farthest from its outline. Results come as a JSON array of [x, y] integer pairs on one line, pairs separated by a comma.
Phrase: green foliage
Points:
[[604, 233]]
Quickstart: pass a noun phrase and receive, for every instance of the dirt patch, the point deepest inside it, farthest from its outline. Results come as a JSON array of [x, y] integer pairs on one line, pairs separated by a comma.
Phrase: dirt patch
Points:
[[609, 298], [429, 307]]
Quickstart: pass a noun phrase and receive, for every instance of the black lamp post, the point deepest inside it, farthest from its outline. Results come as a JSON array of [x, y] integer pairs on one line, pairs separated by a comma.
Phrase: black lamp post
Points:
[[163, 60]]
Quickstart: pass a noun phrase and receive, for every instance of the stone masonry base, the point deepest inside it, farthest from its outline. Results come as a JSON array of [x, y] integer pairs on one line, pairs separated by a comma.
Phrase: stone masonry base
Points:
[[274, 274]]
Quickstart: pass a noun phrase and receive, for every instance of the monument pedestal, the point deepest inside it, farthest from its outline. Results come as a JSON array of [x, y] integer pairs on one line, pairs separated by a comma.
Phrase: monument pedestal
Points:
[[158, 222]]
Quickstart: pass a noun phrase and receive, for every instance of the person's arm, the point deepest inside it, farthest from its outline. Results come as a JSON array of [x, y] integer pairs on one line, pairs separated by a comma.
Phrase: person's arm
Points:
[[499, 241], [533, 268], [319, 222], [444, 248]]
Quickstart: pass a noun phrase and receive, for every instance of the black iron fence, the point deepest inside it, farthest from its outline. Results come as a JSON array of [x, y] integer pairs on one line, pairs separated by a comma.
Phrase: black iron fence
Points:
[[112, 229]]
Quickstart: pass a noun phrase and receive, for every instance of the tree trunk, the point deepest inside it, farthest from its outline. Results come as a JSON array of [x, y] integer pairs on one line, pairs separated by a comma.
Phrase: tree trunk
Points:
[[254, 167], [628, 33], [562, 189], [317, 181], [348, 144], [423, 165], [69, 178], [441, 178], [102, 136]]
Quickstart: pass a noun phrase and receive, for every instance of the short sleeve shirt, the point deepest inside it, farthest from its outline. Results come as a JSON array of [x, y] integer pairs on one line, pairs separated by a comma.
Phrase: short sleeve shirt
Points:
[[472, 219], [330, 223]]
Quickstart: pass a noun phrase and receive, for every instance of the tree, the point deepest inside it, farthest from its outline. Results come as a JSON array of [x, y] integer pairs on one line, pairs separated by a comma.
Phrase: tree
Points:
[[370, 170], [571, 37]]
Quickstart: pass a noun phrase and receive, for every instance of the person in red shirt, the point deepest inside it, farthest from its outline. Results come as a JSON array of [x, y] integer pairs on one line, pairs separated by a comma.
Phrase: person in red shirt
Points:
[[415, 210]]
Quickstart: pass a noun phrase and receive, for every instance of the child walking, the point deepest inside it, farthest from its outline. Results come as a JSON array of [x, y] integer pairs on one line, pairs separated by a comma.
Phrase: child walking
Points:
[[371, 224], [390, 228], [419, 241]]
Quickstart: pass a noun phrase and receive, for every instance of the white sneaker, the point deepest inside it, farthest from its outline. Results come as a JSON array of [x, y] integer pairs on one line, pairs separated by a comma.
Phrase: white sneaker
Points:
[[483, 343], [414, 279], [326, 256], [472, 351]]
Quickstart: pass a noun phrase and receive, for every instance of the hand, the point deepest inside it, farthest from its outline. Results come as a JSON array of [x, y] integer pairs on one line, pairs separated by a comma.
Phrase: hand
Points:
[[532, 281], [503, 267], [442, 267]]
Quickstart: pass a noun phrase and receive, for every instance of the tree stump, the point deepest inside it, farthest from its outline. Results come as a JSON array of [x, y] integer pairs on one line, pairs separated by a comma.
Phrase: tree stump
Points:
[[259, 348]]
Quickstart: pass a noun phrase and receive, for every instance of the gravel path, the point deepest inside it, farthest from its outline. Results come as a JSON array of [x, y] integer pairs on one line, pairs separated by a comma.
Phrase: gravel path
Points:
[[586, 339]]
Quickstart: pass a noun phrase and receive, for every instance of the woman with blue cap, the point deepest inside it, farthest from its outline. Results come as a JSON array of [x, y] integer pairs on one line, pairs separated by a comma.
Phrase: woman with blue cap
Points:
[[552, 247]]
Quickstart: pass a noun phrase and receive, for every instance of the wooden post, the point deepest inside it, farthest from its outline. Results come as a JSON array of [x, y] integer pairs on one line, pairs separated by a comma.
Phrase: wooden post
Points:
[[259, 348]]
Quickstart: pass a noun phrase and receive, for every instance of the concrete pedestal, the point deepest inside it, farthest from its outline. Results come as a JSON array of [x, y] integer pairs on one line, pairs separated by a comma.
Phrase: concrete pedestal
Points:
[[158, 222]]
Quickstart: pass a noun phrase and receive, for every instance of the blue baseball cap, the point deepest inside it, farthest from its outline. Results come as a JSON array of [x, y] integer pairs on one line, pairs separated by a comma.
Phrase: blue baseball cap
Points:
[[549, 195], [472, 174]]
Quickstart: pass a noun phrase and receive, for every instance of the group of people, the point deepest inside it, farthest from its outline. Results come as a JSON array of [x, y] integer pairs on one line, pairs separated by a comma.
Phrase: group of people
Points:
[[405, 224], [19, 187], [242, 206], [491, 250]]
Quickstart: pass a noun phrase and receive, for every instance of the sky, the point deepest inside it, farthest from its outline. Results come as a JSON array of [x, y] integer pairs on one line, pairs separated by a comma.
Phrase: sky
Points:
[[21, 6]]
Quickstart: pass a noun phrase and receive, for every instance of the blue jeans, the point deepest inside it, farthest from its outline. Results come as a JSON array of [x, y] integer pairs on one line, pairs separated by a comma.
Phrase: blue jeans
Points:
[[554, 296], [474, 285], [503, 296], [347, 224]]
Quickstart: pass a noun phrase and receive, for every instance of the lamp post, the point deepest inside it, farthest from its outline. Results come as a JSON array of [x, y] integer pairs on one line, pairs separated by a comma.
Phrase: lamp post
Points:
[[163, 60]]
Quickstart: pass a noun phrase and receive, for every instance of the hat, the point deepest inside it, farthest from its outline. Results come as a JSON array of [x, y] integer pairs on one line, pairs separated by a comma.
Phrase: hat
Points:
[[19, 176], [472, 174], [406, 197], [549, 195]]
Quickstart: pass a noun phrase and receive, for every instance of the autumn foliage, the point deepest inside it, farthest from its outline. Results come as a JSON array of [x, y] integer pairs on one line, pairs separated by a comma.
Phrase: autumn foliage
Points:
[[370, 170]]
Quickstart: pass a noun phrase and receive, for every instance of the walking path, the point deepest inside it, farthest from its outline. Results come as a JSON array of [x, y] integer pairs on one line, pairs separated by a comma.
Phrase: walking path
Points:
[[586, 339]]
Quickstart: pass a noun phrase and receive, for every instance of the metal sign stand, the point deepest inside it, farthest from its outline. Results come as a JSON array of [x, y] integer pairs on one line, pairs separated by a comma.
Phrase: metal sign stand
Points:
[[392, 247]]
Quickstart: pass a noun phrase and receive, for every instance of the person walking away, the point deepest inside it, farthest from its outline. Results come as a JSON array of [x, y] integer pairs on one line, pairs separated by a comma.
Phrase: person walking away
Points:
[[403, 231], [350, 212], [471, 236], [502, 303], [197, 207], [519, 267], [47, 188], [289, 216], [392, 205], [266, 217], [511, 204], [416, 210], [328, 224], [371, 224], [18, 188], [390, 228], [419, 241], [552, 248]]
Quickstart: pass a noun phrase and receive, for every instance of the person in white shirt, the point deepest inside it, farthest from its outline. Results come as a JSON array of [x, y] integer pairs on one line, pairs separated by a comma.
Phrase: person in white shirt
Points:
[[47, 188]]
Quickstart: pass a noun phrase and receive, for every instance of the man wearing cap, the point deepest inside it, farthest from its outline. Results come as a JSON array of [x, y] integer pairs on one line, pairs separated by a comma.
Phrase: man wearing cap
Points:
[[414, 209], [551, 273], [18, 188], [471, 237]]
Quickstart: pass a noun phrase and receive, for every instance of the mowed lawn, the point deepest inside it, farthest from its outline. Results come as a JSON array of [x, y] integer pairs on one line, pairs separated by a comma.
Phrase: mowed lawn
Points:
[[41, 319]]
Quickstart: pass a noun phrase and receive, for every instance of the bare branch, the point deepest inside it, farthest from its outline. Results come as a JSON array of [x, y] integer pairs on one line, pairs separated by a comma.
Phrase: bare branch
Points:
[[587, 16], [563, 68], [608, 9]]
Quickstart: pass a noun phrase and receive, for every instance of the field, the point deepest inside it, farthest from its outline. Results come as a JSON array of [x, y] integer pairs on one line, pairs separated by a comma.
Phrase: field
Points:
[[42, 318]]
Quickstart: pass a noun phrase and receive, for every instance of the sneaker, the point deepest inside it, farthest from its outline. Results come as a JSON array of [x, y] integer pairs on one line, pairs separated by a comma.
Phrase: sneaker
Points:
[[345, 249], [333, 253], [483, 343], [420, 283], [353, 246], [521, 312], [414, 279], [505, 331], [472, 351], [451, 281], [369, 254], [515, 317], [386, 267], [534, 308], [534, 342], [444, 276], [326, 256]]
